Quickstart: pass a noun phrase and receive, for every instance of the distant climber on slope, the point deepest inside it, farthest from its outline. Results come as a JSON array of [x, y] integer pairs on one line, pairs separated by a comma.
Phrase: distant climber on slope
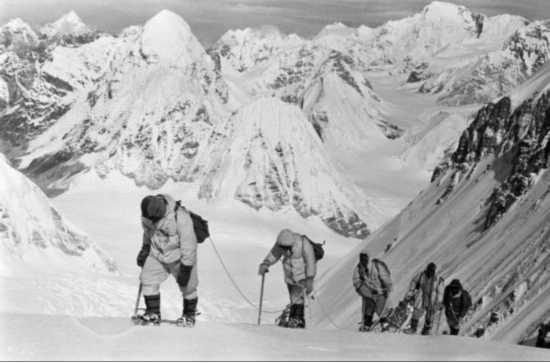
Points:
[[372, 281], [427, 290], [299, 267], [169, 248], [457, 302]]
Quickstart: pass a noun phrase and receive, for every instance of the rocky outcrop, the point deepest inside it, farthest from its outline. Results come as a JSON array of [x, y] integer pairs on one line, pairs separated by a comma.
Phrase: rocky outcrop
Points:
[[516, 137]]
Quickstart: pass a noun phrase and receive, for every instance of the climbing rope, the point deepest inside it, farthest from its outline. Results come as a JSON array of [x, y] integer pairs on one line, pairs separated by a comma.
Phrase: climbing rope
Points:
[[288, 306], [240, 291], [325, 312]]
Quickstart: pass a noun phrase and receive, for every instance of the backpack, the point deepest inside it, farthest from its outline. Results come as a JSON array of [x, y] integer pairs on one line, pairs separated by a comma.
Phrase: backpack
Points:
[[381, 265], [317, 248], [200, 226]]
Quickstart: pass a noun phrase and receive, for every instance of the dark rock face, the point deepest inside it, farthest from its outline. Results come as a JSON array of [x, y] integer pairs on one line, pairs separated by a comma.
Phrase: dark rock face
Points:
[[479, 19], [414, 77], [518, 138]]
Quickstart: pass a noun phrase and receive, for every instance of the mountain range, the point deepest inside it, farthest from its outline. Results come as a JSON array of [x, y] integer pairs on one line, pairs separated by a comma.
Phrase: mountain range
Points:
[[389, 135]]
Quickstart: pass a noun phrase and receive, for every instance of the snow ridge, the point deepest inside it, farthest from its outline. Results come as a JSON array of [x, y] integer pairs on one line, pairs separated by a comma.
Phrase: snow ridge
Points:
[[31, 229]]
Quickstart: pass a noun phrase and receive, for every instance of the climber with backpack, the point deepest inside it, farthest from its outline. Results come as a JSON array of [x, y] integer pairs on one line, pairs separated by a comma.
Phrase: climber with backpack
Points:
[[299, 264], [372, 281], [456, 302], [169, 248]]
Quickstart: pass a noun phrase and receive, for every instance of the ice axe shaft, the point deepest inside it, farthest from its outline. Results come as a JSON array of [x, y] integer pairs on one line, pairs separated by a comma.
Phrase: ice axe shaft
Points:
[[261, 300], [137, 300], [438, 322]]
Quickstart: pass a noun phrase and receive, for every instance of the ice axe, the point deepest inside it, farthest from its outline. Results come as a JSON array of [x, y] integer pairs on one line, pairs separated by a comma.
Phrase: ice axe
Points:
[[137, 301], [261, 299], [438, 322]]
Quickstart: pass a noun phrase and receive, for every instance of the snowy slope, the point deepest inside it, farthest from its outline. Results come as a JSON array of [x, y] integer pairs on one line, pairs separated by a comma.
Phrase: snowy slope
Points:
[[32, 230], [114, 339], [484, 220]]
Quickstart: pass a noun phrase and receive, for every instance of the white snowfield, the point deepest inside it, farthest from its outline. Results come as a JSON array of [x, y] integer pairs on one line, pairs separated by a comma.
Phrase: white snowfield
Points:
[[64, 338], [52, 314]]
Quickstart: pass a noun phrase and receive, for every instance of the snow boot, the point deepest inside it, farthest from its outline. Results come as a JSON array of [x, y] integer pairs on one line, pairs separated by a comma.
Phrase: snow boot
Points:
[[384, 324], [367, 324], [412, 328], [454, 331], [187, 320], [151, 316], [427, 329], [296, 318]]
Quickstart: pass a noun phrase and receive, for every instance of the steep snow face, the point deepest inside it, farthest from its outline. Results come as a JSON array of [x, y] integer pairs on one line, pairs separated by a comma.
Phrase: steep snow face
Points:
[[68, 24], [168, 39], [498, 72], [484, 220], [268, 156], [32, 230]]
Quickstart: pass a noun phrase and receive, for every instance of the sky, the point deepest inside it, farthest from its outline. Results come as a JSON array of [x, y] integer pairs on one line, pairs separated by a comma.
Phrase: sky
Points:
[[210, 19]]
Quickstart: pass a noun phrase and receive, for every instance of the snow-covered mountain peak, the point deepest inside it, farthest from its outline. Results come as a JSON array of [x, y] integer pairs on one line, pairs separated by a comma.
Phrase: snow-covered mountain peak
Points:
[[168, 39], [16, 23], [451, 20], [336, 29], [68, 24], [271, 157], [72, 17], [443, 11], [16, 31], [252, 35]]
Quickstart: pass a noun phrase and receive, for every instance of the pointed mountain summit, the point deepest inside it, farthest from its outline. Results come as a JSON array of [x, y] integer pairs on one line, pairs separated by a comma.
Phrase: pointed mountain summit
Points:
[[68, 24], [17, 33], [168, 39], [271, 157], [337, 29]]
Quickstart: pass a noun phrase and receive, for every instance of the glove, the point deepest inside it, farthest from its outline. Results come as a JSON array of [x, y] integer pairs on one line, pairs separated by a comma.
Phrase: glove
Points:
[[309, 285], [263, 269], [409, 295], [143, 254], [438, 306], [184, 275]]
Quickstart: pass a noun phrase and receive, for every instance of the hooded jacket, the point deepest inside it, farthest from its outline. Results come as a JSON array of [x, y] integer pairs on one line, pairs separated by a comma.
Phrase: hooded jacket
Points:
[[171, 239], [298, 266], [456, 305]]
